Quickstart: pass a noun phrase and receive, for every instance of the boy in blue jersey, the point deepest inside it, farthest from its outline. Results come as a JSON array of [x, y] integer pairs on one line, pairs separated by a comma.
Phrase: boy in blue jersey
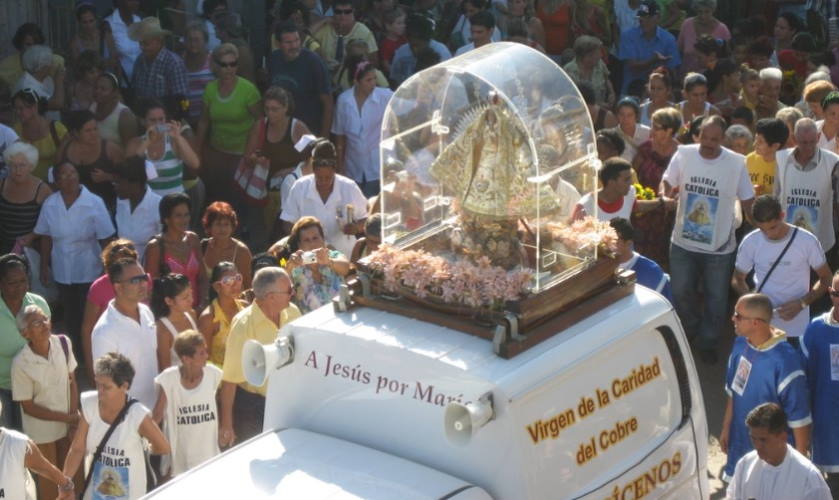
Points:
[[762, 368], [647, 272], [820, 346]]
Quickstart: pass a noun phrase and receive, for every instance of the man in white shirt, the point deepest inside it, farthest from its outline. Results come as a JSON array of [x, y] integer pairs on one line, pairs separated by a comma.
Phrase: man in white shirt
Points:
[[774, 469], [124, 16], [127, 327], [326, 195], [707, 179], [138, 214], [806, 183], [482, 29], [796, 252]]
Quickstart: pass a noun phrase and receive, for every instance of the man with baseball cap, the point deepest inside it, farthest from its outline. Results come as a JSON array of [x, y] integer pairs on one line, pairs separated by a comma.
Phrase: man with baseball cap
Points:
[[158, 72], [646, 47]]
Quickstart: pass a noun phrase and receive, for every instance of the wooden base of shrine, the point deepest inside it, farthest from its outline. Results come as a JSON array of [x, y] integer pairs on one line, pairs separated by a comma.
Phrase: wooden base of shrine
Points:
[[522, 323]]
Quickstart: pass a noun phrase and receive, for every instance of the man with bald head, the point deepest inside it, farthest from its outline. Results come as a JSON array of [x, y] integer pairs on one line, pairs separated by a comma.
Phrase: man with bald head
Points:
[[763, 367], [806, 183], [706, 179]]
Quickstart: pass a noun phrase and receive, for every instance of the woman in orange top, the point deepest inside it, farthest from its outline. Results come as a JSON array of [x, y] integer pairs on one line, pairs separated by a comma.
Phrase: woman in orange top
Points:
[[556, 17]]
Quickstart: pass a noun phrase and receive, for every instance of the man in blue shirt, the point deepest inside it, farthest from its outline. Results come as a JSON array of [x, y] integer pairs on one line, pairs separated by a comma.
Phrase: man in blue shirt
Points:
[[820, 346], [646, 47], [418, 30], [647, 272], [763, 368]]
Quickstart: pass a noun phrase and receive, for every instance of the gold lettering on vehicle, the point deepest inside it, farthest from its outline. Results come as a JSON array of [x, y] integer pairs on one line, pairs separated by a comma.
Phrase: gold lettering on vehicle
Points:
[[649, 480]]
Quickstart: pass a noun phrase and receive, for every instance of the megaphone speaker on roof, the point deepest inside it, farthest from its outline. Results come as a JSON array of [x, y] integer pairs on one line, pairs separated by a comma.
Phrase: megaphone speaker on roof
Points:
[[463, 421], [259, 360]]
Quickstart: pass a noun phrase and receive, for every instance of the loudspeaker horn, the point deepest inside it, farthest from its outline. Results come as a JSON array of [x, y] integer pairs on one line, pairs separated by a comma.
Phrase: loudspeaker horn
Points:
[[259, 360], [463, 421]]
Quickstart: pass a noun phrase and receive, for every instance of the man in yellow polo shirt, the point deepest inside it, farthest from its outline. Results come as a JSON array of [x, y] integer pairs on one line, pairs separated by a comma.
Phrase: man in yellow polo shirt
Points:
[[243, 405]]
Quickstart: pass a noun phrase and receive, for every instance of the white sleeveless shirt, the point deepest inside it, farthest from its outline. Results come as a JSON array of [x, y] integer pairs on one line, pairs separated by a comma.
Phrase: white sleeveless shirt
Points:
[[624, 211], [15, 480], [807, 196], [175, 360]]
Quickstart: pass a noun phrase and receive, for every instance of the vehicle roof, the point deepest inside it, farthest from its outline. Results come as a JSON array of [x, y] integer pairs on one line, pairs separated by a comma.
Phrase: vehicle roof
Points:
[[475, 355], [294, 463]]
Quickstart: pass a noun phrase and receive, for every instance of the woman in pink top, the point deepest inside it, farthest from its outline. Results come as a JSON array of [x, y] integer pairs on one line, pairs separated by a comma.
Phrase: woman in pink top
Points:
[[704, 23], [100, 294], [177, 250]]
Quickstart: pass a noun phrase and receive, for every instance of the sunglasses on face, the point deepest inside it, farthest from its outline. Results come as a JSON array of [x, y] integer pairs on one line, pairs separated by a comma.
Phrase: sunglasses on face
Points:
[[136, 280], [229, 280], [739, 316], [232, 64]]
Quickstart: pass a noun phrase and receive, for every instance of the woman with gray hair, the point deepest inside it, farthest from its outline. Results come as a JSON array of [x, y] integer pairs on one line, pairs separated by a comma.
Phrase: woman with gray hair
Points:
[[588, 66], [21, 197], [739, 139], [789, 116], [704, 23], [37, 75]]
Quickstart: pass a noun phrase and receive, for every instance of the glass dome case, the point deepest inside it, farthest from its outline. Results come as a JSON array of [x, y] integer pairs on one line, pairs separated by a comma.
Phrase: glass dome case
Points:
[[485, 156]]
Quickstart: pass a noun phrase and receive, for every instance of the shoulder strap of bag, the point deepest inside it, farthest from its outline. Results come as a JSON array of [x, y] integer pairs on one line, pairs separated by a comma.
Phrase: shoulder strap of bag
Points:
[[65, 348], [118, 420], [778, 260]]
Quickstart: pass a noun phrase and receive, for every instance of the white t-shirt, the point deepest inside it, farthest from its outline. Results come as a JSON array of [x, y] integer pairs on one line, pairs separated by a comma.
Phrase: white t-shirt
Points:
[[791, 278], [115, 332], [128, 49], [707, 192], [625, 209], [140, 225], [45, 381], [305, 200], [795, 477], [120, 471], [75, 234], [191, 419], [15, 480]]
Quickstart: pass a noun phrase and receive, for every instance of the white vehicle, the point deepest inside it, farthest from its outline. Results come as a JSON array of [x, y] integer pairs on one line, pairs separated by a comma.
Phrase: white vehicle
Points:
[[580, 385]]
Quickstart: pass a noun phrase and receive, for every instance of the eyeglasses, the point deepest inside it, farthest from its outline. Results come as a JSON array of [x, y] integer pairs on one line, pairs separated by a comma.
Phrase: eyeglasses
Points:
[[342, 11], [284, 292], [136, 280], [232, 64], [229, 280], [738, 317], [38, 323]]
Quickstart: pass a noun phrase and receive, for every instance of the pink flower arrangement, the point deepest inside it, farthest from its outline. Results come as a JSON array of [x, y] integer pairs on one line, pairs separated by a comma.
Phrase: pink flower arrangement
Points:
[[477, 284], [585, 233]]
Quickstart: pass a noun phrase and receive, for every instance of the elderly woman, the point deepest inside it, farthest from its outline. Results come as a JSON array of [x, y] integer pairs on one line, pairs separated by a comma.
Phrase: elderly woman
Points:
[[44, 384], [790, 116], [588, 66], [21, 196], [38, 76], [336, 201], [316, 271], [660, 92], [74, 225], [116, 121], [633, 133], [198, 71], [214, 322], [653, 156], [93, 35], [100, 409], [231, 105], [95, 158], [14, 297], [35, 128], [704, 23], [739, 139], [27, 35]]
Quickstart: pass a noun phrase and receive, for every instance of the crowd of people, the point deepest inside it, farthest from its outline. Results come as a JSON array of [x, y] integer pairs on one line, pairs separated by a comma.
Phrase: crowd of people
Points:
[[167, 194]]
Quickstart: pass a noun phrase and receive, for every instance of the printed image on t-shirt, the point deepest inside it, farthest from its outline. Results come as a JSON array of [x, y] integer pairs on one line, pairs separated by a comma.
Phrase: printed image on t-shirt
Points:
[[834, 362], [109, 483], [700, 214], [803, 217], [741, 376]]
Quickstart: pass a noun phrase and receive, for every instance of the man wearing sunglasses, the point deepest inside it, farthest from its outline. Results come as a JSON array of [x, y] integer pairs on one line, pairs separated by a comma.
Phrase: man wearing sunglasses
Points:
[[782, 257], [820, 346], [127, 327], [763, 367], [334, 36]]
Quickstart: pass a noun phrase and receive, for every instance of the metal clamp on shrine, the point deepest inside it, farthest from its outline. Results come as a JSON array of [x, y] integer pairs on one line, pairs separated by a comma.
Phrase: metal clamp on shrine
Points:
[[484, 158]]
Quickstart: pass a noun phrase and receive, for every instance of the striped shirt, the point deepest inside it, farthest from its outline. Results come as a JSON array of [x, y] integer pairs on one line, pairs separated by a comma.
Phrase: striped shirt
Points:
[[17, 219], [170, 171], [196, 81]]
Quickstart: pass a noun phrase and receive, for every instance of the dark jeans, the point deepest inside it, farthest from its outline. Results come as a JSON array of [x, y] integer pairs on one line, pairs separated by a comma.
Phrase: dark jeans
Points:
[[248, 414], [10, 415], [370, 188], [73, 298]]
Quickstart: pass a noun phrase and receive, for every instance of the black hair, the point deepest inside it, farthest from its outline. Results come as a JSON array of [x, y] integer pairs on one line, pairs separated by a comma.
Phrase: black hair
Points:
[[761, 47], [696, 126], [285, 27], [612, 168], [88, 60], [216, 274], [335, 3], [766, 208], [165, 287], [146, 104], [743, 113], [289, 7], [324, 154], [261, 260], [210, 6], [168, 204], [614, 139], [706, 44], [795, 22], [25, 30], [426, 58], [769, 416], [623, 228], [132, 169], [76, 120], [84, 9], [31, 98], [116, 268], [483, 18], [12, 261], [773, 130], [724, 67], [419, 26]]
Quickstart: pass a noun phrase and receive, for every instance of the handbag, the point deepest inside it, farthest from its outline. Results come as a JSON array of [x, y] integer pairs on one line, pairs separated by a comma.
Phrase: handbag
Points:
[[252, 181], [778, 260]]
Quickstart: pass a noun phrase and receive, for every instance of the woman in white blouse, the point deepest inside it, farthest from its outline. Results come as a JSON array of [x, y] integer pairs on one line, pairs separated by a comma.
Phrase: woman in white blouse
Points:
[[74, 224], [633, 133]]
